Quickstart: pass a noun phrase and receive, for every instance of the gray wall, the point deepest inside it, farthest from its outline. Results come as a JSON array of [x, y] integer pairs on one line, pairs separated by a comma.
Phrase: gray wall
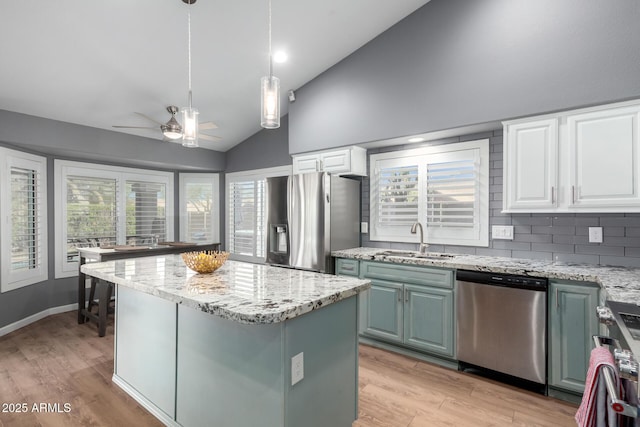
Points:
[[264, 149], [55, 139], [559, 237], [455, 63]]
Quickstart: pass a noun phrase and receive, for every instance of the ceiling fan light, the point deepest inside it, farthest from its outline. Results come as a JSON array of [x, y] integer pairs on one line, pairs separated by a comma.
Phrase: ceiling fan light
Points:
[[189, 127], [270, 102]]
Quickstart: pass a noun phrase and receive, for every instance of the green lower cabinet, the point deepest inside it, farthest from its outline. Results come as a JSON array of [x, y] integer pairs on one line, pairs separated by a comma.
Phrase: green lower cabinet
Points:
[[418, 315], [428, 319], [384, 308], [572, 323]]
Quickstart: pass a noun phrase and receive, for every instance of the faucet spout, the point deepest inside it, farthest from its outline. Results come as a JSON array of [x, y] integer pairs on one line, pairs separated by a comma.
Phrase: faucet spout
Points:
[[414, 229]]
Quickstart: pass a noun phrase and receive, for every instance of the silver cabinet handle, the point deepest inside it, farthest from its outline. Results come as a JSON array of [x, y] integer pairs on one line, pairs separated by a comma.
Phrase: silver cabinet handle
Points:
[[406, 295], [553, 195], [400, 296], [557, 301], [573, 194]]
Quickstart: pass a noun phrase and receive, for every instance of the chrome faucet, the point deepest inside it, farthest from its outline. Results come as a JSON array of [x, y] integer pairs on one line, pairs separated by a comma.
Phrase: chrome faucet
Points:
[[423, 246]]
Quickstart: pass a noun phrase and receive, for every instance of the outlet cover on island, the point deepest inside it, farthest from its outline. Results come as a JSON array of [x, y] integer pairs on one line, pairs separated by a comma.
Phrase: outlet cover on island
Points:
[[504, 232], [595, 234], [364, 227], [297, 368]]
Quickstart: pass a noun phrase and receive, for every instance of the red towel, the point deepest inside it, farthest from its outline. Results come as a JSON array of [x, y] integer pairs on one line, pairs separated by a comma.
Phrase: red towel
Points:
[[594, 411]]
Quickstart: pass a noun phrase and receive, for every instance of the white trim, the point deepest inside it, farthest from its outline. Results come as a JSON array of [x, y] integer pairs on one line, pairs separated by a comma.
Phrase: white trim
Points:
[[35, 317], [203, 178], [144, 402]]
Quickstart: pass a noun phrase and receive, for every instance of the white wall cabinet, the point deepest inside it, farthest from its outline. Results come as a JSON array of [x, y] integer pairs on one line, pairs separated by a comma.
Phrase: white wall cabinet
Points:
[[577, 161], [343, 161]]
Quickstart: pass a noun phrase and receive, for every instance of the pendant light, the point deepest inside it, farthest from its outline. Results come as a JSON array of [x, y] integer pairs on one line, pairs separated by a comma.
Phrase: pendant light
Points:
[[270, 116], [189, 114]]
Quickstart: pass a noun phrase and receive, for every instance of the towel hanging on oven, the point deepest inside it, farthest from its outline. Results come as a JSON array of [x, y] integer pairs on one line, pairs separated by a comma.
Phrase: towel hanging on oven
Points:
[[595, 410]]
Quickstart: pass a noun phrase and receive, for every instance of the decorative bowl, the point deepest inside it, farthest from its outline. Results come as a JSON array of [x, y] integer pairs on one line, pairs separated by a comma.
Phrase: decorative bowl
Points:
[[204, 262]]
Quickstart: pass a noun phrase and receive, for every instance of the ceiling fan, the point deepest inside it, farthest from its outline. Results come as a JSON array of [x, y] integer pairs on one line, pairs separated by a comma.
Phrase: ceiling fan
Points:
[[172, 130]]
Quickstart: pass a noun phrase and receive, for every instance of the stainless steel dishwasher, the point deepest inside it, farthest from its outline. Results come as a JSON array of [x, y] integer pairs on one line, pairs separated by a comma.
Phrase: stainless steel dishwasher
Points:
[[501, 324]]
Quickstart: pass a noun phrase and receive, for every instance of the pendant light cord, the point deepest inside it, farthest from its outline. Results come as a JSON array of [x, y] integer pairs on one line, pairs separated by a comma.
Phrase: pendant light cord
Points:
[[270, 56], [189, 50]]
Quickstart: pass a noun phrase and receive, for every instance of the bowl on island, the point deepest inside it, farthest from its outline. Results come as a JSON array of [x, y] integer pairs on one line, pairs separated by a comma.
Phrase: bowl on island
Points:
[[204, 262]]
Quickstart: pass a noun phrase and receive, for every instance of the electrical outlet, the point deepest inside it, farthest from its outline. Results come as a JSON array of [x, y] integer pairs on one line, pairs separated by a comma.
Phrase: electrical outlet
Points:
[[297, 368], [595, 234], [364, 227], [504, 232]]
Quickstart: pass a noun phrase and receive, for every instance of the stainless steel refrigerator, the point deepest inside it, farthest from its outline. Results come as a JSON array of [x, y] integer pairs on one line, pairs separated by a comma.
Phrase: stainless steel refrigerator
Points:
[[308, 216]]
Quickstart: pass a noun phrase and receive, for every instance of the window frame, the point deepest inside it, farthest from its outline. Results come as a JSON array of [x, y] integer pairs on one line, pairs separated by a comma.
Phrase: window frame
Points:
[[64, 168], [249, 175], [478, 236], [12, 158], [214, 221]]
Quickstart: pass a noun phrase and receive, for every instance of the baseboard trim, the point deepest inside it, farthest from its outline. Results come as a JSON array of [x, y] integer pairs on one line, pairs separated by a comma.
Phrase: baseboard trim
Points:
[[35, 317], [144, 402]]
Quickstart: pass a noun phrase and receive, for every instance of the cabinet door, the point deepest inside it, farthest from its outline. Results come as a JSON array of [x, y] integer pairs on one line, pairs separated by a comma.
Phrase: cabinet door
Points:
[[428, 319], [305, 164], [572, 323], [336, 161], [604, 158], [531, 165], [383, 317]]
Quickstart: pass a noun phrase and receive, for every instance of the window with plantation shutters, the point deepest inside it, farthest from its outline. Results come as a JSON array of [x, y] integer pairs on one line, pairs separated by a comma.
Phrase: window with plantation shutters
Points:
[[445, 187], [91, 213], [145, 212], [99, 205], [246, 216], [24, 226], [199, 207]]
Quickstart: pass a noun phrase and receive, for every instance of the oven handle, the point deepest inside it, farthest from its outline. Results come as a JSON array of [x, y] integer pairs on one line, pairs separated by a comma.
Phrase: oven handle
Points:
[[619, 406]]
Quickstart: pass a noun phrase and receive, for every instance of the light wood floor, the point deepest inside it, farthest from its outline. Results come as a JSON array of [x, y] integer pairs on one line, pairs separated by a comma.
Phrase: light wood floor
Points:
[[56, 361]]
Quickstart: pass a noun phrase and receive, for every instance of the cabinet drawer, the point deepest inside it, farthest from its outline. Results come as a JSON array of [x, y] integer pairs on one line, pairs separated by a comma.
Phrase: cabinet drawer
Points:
[[347, 267], [431, 276]]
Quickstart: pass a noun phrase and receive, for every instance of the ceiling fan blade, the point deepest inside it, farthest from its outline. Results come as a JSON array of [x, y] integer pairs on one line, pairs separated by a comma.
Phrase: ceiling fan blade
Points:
[[209, 137], [134, 127], [207, 125], [149, 118]]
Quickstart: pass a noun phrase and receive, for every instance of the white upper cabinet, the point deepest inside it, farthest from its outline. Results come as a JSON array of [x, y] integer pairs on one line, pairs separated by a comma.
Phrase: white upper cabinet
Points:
[[583, 160], [342, 161], [531, 165], [604, 158]]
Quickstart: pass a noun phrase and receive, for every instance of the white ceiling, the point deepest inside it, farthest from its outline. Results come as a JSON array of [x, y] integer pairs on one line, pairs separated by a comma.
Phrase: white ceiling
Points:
[[97, 62]]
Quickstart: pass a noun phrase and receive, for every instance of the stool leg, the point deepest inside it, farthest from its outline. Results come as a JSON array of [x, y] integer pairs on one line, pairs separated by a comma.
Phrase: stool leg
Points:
[[103, 307], [92, 294]]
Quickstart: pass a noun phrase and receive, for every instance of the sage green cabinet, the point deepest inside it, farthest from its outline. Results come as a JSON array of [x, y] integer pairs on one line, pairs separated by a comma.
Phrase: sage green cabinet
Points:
[[409, 305], [572, 323]]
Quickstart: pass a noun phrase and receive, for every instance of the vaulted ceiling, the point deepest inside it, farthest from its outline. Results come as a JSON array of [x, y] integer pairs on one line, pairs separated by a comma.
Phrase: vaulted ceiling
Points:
[[98, 63]]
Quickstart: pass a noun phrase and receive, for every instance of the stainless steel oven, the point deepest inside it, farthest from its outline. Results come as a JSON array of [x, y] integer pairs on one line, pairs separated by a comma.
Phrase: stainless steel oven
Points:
[[622, 322]]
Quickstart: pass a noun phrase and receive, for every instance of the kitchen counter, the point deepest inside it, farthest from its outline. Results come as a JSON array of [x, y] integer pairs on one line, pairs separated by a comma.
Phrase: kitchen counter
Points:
[[246, 345], [621, 284], [240, 291]]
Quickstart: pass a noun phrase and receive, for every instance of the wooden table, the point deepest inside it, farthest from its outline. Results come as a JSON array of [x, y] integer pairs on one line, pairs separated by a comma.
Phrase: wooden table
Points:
[[100, 254]]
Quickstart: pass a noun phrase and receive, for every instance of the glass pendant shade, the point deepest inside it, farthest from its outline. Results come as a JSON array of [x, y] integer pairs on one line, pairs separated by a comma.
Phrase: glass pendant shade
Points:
[[189, 127], [270, 117]]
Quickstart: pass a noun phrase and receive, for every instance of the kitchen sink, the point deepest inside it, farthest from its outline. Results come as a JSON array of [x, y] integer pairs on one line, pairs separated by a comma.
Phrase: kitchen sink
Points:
[[414, 254]]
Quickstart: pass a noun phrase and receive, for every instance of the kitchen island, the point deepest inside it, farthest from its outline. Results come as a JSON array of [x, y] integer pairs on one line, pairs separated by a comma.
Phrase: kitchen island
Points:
[[229, 348]]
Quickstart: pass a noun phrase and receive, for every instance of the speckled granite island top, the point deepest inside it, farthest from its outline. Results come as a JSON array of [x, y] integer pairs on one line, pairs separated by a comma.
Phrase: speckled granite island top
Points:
[[621, 284], [240, 291]]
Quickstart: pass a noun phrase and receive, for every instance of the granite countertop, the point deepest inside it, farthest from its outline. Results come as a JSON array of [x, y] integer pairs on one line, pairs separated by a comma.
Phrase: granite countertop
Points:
[[239, 291], [621, 284]]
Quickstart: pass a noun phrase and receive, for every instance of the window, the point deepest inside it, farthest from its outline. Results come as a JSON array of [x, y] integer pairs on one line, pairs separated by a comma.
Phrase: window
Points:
[[445, 187], [246, 217], [23, 227], [99, 205], [199, 207]]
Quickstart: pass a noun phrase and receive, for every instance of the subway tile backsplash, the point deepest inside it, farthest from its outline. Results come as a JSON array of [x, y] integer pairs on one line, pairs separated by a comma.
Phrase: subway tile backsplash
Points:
[[559, 237]]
